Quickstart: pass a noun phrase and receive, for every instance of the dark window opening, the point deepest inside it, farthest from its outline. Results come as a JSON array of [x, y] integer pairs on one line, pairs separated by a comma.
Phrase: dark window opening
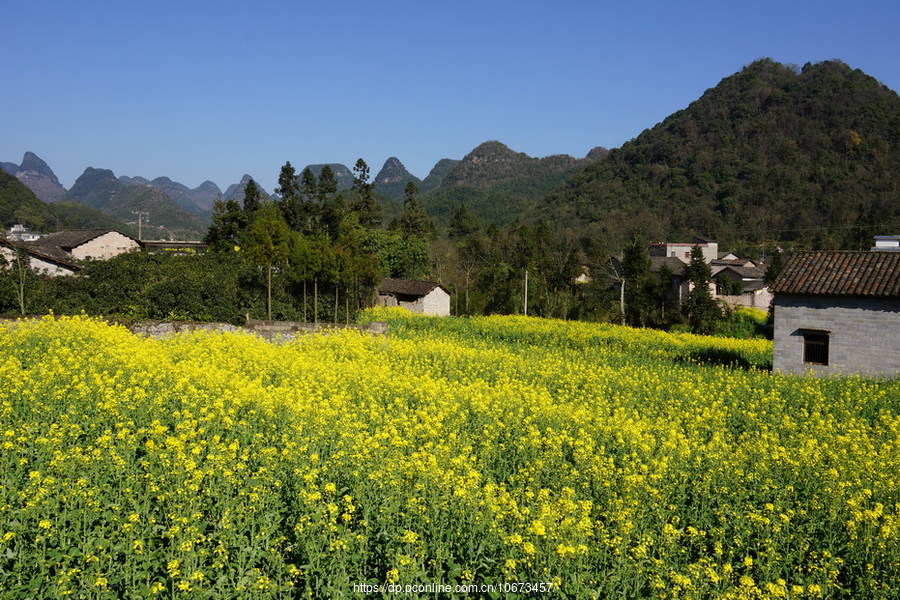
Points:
[[815, 347]]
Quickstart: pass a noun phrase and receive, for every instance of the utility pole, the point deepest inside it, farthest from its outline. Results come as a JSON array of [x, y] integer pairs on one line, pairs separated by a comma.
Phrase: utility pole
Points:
[[139, 214], [526, 292]]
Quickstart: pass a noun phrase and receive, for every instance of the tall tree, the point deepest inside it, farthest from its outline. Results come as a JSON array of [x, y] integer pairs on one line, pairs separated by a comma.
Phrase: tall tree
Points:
[[639, 293], [268, 243], [228, 223], [328, 185], [700, 308], [252, 198], [413, 220], [291, 202], [364, 205]]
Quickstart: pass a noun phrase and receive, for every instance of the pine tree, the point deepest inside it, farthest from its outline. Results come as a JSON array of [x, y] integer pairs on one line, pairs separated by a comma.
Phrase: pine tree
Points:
[[366, 208], [700, 308]]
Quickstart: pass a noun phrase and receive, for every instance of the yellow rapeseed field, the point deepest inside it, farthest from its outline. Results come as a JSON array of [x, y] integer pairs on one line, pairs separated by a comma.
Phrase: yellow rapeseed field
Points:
[[603, 461]]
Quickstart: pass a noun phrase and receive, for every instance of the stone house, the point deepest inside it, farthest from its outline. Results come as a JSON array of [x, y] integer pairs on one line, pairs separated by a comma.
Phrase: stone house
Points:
[[838, 313], [422, 297], [86, 244]]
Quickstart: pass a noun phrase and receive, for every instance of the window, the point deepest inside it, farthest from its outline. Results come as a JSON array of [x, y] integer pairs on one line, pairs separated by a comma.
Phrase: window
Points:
[[815, 347]]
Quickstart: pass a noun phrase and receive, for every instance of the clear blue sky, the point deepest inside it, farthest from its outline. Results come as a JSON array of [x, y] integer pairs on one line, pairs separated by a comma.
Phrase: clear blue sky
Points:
[[197, 90]]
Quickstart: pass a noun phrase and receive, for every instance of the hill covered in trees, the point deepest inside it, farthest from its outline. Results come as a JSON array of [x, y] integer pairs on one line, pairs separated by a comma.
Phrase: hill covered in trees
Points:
[[101, 190], [18, 204], [771, 154], [499, 184]]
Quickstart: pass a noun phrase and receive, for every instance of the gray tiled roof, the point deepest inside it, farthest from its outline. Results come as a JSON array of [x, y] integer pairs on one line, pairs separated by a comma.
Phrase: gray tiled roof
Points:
[[410, 287], [840, 274]]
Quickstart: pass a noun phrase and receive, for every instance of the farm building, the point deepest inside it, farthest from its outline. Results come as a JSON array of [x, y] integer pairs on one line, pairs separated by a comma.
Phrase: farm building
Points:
[[85, 244], [423, 297], [838, 313], [40, 262]]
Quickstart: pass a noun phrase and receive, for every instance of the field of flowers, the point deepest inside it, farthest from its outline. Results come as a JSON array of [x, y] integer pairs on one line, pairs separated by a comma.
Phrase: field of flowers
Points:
[[610, 462]]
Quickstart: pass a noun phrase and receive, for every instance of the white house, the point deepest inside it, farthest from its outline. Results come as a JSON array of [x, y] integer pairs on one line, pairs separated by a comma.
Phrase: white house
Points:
[[40, 262], [422, 297], [86, 244]]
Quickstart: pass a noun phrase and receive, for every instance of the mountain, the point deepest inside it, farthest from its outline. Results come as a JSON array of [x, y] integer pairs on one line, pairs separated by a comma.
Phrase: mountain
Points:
[[163, 219], [498, 184], [198, 200], [437, 174], [37, 176], [392, 179], [772, 153], [235, 191], [18, 204], [342, 174]]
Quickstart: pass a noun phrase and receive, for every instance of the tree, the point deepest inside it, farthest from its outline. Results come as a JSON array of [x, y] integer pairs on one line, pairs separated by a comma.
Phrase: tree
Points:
[[228, 224], [309, 187], [287, 182], [267, 244], [464, 223], [639, 295], [291, 204], [413, 221], [700, 308], [17, 265], [366, 208], [252, 197], [327, 186]]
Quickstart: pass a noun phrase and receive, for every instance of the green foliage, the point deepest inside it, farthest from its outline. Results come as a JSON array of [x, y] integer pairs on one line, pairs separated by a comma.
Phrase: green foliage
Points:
[[701, 309], [768, 154]]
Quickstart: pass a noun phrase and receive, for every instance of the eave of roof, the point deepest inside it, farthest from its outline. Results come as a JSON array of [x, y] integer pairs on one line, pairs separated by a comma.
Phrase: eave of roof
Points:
[[841, 273]]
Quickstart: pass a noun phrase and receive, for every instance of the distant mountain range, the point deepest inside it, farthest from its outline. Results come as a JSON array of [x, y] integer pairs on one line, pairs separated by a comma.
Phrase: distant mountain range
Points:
[[772, 152]]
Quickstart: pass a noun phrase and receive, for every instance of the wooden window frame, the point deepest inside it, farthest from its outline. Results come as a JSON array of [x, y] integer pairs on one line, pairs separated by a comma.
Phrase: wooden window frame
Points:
[[816, 346]]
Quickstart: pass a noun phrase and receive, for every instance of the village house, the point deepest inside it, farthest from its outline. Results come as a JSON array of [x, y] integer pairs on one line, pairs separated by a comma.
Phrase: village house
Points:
[[735, 281], [839, 312], [42, 263], [422, 297], [85, 244]]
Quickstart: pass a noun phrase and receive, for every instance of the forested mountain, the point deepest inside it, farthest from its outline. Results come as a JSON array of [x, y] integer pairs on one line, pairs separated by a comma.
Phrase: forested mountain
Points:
[[498, 184], [101, 190], [392, 179], [437, 174], [18, 204], [771, 153]]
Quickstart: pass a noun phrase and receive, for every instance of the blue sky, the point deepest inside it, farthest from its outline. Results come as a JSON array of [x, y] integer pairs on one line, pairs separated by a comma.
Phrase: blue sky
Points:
[[198, 90]]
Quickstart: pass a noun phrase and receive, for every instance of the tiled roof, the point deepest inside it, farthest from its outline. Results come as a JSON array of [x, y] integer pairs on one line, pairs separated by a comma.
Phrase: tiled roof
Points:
[[410, 287], [72, 239], [840, 274], [676, 266], [49, 253]]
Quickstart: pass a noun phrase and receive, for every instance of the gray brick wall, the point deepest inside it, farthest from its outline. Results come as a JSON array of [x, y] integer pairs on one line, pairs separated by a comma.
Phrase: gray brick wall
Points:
[[864, 334]]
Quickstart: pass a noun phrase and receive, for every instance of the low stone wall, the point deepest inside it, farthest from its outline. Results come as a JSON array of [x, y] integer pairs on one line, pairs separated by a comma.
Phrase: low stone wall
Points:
[[268, 330]]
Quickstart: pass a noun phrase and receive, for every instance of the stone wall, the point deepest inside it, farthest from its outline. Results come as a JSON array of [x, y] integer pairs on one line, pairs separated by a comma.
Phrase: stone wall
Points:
[[268, 330], [863, 334]]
